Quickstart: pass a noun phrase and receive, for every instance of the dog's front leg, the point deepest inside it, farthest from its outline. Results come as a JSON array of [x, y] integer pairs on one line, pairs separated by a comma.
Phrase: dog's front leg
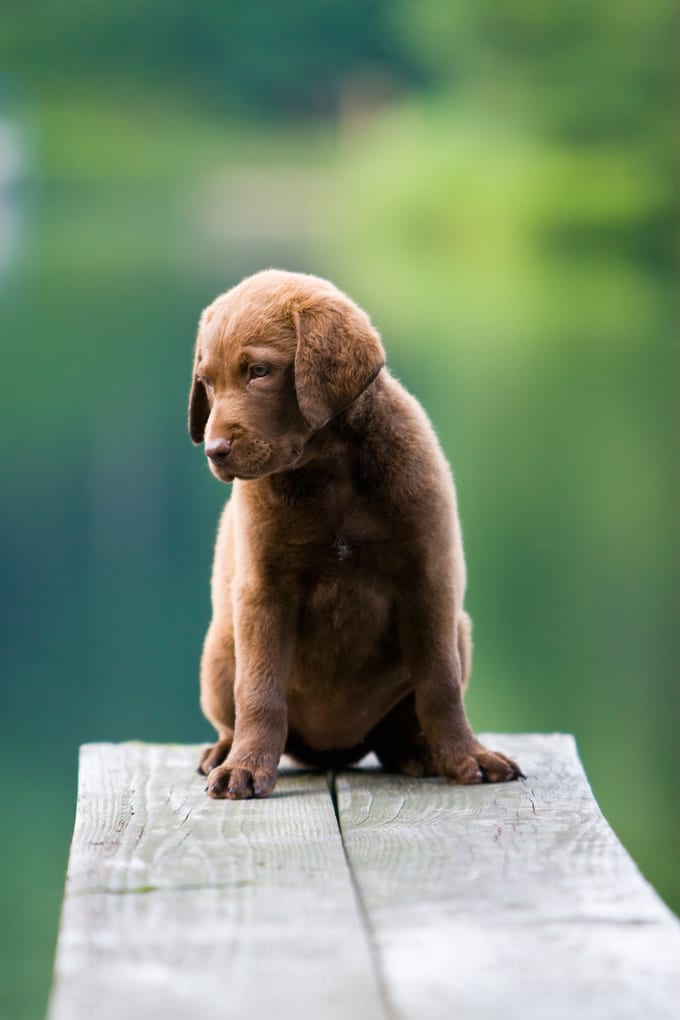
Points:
[[432, 645], [458, 754], [264, 644]]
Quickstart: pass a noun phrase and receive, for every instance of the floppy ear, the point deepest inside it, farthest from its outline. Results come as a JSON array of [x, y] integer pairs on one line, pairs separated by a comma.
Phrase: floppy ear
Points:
[[199, 410], [338, 355], [199, 407]]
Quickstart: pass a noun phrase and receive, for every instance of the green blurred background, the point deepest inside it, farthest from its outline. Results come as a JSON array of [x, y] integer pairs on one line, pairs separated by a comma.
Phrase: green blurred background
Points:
[[495, 184]]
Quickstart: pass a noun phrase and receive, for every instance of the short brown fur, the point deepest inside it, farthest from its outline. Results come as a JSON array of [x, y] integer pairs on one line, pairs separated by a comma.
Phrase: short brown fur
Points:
[[338, 625]]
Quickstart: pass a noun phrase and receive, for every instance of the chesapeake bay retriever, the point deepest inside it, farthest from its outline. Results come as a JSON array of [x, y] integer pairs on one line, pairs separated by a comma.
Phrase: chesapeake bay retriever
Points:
[[338, 625]]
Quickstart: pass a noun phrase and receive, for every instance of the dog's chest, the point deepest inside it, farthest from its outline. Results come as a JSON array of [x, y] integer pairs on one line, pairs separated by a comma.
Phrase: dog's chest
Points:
[[335, 541], [341, 548], [334, 531], [357, 550], [347, 597]]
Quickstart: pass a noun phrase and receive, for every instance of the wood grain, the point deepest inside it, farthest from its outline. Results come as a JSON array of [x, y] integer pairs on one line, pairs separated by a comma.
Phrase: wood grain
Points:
[[507, 900], [473, 902], [178, 906]]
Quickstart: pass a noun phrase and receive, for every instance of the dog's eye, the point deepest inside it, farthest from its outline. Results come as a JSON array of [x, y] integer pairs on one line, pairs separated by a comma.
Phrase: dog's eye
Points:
[[258, 371]]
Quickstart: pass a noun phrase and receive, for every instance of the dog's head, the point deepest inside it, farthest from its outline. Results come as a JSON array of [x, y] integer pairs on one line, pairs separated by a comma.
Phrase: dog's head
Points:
[[277, 358]]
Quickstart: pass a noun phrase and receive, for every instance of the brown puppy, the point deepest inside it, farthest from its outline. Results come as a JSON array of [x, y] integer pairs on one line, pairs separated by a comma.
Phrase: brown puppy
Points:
[[338, 624]]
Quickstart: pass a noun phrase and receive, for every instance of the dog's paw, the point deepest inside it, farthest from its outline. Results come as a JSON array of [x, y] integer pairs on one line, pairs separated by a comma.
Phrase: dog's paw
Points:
[[477, 765], [213, 756], [253, 776]]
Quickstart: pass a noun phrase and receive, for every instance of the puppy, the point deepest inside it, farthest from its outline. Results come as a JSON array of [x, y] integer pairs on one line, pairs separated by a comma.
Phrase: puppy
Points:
[[338, 625]]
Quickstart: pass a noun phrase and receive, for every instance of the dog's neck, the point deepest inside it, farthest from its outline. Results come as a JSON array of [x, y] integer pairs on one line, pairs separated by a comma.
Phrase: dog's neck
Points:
[[333, 460], [336, 457]]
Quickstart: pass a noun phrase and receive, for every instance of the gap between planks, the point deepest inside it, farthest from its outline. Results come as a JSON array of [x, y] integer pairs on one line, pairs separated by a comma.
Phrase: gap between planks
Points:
[[371, 939]]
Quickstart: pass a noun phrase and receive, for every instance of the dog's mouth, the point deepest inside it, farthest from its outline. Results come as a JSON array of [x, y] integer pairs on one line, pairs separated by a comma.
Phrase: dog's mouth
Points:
[[263, 460], [221, 474], [231, 473], [245, 460]]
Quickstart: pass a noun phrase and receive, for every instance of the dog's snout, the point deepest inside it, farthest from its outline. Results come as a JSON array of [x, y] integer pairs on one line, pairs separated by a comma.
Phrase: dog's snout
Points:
[[218, 449]]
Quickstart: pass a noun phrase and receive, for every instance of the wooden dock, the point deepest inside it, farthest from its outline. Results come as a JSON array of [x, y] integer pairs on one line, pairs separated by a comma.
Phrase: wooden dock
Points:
[[359, 895]]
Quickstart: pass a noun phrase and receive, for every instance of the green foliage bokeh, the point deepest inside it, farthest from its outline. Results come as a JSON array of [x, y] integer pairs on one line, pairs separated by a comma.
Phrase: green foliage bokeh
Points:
[[494, 183]]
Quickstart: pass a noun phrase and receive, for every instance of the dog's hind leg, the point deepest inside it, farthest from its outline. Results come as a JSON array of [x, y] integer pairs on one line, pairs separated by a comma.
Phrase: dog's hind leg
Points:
[[399, 742]]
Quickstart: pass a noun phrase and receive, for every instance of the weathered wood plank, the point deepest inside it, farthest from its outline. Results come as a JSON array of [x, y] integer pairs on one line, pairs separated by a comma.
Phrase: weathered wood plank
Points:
[[514, 899], [178, 906]]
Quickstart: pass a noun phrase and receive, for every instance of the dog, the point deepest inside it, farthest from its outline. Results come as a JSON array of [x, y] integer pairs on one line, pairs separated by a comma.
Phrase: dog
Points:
[[338, 625]]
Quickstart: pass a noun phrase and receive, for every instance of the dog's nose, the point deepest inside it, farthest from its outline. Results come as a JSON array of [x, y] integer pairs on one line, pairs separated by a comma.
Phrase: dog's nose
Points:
[[218, 449]]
